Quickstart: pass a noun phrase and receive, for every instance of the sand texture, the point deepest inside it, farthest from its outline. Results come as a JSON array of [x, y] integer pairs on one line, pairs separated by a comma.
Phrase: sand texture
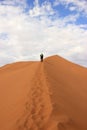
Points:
[[51, 95]]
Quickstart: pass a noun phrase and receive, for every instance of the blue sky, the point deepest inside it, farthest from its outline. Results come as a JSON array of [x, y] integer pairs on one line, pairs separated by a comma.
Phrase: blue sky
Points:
[[30, 27], [62, 10]]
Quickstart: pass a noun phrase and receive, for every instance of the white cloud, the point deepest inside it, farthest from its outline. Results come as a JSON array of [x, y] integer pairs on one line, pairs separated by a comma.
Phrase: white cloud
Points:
[[44, 10], [72, 8], [29, 35], [56, 3], [78, 5], [14, 3]]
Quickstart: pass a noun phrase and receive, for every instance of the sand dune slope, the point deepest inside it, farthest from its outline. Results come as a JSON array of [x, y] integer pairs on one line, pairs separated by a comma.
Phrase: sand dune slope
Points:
[[43, 96]]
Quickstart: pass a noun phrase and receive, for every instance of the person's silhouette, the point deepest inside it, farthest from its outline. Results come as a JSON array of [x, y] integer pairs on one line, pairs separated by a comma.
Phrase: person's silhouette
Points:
[[41, 57]]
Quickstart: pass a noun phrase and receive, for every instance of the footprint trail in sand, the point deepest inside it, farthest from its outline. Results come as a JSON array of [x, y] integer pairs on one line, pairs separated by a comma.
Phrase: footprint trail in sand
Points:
[[38, 106]]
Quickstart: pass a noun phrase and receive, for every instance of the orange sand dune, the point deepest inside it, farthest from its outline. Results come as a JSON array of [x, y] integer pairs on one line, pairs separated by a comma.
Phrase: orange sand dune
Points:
[[43, 96]]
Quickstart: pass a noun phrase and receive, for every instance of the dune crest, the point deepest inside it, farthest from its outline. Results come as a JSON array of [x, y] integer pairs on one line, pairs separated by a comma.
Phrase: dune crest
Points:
[[43, 96]]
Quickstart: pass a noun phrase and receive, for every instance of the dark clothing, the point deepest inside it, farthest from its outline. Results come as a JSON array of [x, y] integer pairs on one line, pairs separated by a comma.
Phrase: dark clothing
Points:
[[41, 57]]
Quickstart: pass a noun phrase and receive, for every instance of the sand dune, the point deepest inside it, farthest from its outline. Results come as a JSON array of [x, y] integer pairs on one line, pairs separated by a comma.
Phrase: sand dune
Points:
[[43, 96]]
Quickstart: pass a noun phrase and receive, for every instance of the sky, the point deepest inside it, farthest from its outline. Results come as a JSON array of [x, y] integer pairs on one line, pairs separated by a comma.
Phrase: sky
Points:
[[51, 27]]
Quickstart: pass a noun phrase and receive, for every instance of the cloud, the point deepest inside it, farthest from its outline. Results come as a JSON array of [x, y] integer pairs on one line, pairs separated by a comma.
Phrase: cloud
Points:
[[44, 10], [72, 8], [56, 3], [21, 3], [78, 5], [24, 35]]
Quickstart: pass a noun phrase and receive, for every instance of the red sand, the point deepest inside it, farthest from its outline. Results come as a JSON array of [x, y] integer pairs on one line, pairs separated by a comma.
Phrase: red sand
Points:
[[43, 96]]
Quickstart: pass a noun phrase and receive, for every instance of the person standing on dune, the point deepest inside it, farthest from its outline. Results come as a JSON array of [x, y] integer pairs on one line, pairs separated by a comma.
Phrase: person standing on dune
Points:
[[41, 57]]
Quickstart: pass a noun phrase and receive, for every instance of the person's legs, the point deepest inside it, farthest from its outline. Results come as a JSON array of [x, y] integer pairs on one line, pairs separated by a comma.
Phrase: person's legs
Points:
[[41, 59]]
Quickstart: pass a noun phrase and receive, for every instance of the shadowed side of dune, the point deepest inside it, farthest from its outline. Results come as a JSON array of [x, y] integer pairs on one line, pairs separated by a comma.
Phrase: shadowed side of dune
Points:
[[68, 85]]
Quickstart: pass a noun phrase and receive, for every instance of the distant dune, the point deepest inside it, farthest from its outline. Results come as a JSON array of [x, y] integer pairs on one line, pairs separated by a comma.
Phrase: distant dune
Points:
[[43, 96]]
